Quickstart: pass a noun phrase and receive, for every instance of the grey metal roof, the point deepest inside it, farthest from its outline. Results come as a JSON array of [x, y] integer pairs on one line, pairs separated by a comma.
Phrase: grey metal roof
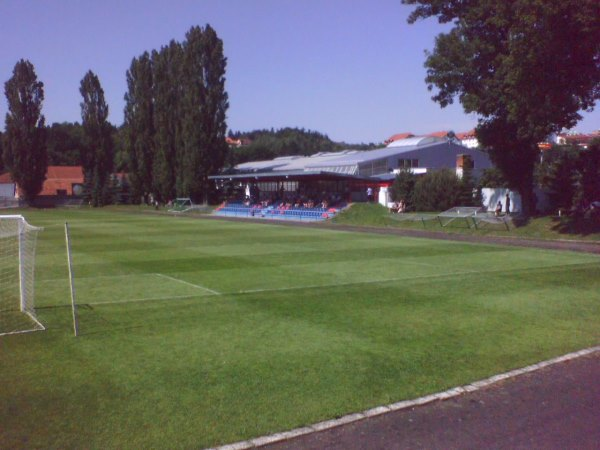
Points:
[[350, 162], [293, 162], [372, 155]]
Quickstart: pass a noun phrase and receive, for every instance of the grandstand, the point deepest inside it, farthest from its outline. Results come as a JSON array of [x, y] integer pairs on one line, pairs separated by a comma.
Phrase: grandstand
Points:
[[299, 213]]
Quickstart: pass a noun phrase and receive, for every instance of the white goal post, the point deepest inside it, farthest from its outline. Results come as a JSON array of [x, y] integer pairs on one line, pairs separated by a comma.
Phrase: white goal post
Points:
[[17, 262]]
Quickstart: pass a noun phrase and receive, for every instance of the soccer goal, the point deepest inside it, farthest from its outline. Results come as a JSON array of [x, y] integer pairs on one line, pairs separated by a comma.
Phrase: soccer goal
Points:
[[17, 257], [182, 205]]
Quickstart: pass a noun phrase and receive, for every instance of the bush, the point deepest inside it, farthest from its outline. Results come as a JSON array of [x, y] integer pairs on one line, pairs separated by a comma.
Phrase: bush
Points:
[[437, 191]]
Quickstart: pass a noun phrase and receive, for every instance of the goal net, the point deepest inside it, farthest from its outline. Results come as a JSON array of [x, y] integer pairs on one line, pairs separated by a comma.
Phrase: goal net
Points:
[[17, 257], [182, 205]]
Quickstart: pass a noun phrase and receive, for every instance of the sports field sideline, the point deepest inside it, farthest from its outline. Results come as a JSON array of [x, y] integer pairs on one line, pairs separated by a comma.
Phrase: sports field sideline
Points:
[[197, 333]]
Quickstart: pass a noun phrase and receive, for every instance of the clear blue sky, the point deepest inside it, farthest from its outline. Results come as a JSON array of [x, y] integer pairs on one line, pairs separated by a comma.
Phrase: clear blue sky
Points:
[[349, 69]]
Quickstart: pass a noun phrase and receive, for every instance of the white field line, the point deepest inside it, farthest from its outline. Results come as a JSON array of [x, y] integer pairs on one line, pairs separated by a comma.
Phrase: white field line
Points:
[[145, 299], [129, 275], [298, 288], [353, 283], [552, 266], [395, 279], [349, 283], [197, 286], [416, 263], [405, 404]]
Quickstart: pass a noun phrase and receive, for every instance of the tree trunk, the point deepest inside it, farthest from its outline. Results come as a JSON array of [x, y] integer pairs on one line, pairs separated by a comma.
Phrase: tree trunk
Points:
[[528, 202]]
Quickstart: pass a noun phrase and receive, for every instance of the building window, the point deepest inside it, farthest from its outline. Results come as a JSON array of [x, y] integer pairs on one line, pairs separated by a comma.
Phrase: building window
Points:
[[408, 163], [376, 167]]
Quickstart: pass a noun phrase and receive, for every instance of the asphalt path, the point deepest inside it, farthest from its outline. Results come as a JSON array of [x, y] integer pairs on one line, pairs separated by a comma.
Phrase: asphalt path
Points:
[[557, 407]]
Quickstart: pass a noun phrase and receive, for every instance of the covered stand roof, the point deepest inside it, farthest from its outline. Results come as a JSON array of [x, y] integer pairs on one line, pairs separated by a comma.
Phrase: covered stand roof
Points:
[[432, 152]]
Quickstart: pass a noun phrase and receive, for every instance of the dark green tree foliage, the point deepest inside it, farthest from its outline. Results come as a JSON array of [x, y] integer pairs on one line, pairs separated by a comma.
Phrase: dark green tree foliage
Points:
[[526, 67], [65, 143], [587, 182], [557, 174], [97, 156], [121, 156], [139, 126], [571, 176], [204, 105], [403, 188], [492, 178], [437, 191], [1, 151], [167, 118], [469, 195], [24, 149]]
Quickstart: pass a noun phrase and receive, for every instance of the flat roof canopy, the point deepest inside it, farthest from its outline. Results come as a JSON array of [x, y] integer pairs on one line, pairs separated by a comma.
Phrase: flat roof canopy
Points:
[[290, 176]]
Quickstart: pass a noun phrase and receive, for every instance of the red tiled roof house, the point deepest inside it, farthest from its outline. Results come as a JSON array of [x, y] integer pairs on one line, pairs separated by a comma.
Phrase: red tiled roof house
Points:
[[61, 181]]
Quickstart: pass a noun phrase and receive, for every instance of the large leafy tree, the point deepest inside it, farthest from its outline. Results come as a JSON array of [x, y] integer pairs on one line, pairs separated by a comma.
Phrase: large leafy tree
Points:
[[139, 126], [204, 106], [526, 67], [97, 155], [24, 149]]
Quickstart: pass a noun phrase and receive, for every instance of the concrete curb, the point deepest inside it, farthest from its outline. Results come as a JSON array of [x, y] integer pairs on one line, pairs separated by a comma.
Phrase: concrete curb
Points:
[[450, 393]]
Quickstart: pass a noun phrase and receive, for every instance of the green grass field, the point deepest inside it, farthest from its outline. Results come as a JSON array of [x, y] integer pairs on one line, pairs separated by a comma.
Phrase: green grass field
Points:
[[200, 332], [542, 227]]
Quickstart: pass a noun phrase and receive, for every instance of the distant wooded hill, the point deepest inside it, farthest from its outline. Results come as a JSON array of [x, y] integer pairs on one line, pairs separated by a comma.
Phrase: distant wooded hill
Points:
[[269, 144]]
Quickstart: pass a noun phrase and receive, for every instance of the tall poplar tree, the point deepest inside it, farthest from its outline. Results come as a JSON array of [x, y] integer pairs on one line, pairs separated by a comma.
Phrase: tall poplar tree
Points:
[[24, 152], [204, 106], [97, 156], [167, 120], [139, 126], [526, 67]]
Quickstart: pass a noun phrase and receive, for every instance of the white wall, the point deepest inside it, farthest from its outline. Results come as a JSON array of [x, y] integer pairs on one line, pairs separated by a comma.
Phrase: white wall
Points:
[[7, 190], [490, 197], [384, 196]]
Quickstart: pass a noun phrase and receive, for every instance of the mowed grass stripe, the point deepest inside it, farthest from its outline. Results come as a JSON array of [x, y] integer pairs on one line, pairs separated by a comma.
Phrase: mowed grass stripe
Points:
[[206, 370]]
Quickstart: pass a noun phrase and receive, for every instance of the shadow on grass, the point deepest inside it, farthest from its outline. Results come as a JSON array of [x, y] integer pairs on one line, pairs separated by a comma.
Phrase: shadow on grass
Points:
[[583, 226], [520, 221]]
